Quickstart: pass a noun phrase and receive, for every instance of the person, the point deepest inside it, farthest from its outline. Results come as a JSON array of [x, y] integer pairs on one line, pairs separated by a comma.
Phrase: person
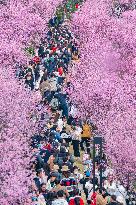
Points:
[[41, 200], [113, 200], [56, 168], [121, 193], [29, 79], [88, 189], [121, 200], [43, 191], [60, 124], [60, 199], [65, 136], [39, 78], [59, 187], [86, 136], [51, 182], [76, 134], [105, 195], [51, 197], [51, 161], [111, 186], [131, 196], [87, 163], [79, 177], [68, 180], [76, 199], [38, 199], [100, 200], [41, 178]]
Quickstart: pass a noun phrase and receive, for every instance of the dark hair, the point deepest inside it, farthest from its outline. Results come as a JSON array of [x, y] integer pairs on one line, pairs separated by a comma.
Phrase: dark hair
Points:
[[65, 159], [76, 199], [31, 62], [38, 172], [50, 196], [75, 191], [75, 167], [67, 174], [54, 154], [54, 174], [51, 138], [113, 197], [97, 189], [62, 150], [95, 181], [41, 187], [43, 184], [64, 129], [103, 189], [57, 181], [60, 193], [105, 193], [60, 140]]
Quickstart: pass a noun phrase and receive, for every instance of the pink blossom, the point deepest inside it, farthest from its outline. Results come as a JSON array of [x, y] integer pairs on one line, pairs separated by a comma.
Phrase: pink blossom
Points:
[[103, 81]]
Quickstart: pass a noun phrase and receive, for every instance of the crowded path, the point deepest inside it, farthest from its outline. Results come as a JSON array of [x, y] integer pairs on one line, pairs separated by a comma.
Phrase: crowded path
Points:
[[62, 163]]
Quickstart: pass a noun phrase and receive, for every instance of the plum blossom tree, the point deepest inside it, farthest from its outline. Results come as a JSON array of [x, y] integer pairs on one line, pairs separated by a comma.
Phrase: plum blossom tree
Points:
[[16, 127], [103, 83], [21, 23]]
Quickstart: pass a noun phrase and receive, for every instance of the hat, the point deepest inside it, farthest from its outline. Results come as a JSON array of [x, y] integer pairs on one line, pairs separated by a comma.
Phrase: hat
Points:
[[65, 168], [55, 167], [87, 173]]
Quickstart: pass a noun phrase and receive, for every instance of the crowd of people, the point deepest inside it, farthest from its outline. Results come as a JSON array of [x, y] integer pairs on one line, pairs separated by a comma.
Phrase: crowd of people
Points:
[[62, 154], [62, 177]]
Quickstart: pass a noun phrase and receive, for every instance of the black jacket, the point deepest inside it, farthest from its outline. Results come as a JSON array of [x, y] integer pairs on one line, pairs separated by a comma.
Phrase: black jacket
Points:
[[113, 203]]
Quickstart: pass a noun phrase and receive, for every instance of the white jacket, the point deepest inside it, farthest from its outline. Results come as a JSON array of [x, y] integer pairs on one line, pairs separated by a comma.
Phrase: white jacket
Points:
[[37, 83], [89, 187], [60, 202], [53, 84], [41, 200], [121, 194]]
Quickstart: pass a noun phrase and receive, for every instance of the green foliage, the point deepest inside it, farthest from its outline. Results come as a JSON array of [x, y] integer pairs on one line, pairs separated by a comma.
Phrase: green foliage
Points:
[[67, 9], [30, 50]]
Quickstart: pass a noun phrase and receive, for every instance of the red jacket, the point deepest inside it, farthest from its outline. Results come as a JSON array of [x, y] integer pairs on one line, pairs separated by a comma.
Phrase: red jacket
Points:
[[72, 202], [93, 197], [60, 70], [54, 49], [36, 59]]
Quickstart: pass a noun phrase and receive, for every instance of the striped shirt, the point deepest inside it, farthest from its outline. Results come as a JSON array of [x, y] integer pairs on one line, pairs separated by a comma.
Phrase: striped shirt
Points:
[[69, 183]]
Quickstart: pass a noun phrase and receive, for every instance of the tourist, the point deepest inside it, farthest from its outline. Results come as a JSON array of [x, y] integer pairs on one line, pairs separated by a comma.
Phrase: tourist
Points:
[[113, 200], [86, 136], [68, 180], [76, 199], [51, 182], [76, 138], [60, 199]]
